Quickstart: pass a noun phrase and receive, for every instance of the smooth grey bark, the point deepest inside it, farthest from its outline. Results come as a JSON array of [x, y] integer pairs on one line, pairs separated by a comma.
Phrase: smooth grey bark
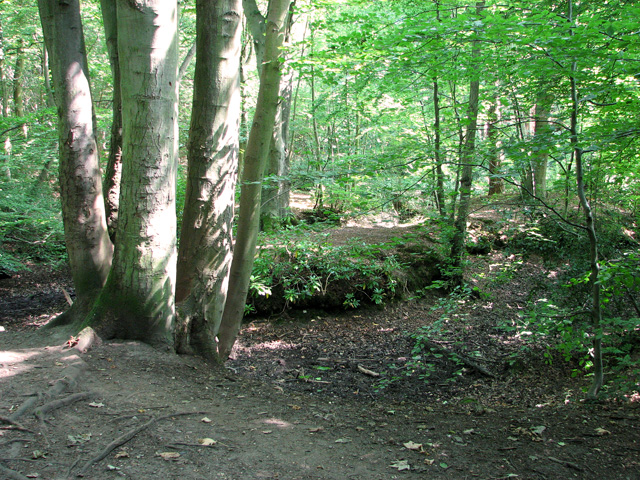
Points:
[[276, 188], [496, 185], [541, 140], [88, 244], [437, 150], [253, 171], [206, 237], [113, 170], [137, 301]]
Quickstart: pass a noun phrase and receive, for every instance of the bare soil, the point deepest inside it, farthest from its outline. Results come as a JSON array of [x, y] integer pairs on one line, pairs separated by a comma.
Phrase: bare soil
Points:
[[308, 395]]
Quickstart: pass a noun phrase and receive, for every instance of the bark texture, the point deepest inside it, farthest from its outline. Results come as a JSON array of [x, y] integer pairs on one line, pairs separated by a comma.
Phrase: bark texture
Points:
[[137, 301], [88, 244], [206, 238], [252, 175]]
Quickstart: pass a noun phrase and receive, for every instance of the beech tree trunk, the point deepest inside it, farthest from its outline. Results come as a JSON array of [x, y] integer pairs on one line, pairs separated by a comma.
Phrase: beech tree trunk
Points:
[[113, 171], [496, 185], [541, 141], [252, 175], [18, 73], [88, 244], [206, 238], [137, 301], [276, 188]]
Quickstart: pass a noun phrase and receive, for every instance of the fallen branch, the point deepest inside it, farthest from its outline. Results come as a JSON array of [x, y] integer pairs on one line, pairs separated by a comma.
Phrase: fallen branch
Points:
[[126, 437], [42, 411], [567, 464], [465, 360]]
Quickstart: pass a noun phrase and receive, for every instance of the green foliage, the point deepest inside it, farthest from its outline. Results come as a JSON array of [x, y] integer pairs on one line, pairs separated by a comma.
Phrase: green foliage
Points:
[[299, 265]]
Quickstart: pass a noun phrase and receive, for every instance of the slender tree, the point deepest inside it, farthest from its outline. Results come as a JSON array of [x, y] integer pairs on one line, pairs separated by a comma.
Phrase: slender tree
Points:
[[113, 169], [88, 244], [251, 184], [206, 239], [466, 160]]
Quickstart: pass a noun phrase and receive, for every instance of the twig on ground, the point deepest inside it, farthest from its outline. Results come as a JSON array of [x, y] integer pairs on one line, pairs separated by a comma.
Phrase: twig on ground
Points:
[[567, 464]]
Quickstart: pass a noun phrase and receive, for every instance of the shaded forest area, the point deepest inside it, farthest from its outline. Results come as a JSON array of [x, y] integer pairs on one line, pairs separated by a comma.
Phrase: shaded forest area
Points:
[[395, 239]]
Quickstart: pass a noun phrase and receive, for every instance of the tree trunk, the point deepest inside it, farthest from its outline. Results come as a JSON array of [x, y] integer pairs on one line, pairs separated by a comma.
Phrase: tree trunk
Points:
[[88, 244], [275, 190], [113, 171], [437, 150], [206, 239], [594, 281], [466, 159], [48, 91], [496, 185], [18, 73], [541, 141], [3, 79], [137, 301], [252, 175]]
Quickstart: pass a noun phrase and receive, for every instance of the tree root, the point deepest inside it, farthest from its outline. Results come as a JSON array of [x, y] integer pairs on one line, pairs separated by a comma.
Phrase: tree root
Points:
[[121, 440], [42, 411], [70, 376], [11, 474]]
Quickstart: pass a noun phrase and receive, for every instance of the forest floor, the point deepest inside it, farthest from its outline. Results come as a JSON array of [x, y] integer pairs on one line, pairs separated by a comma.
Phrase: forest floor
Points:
[[308, 395]]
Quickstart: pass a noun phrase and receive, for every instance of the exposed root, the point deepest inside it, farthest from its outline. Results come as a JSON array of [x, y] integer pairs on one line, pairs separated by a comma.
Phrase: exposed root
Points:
[[126, 437], [42, 411]]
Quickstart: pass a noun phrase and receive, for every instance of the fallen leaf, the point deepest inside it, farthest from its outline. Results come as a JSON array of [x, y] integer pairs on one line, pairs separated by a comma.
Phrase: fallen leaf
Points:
[[601, 431], [267, 432], [205, 420], [444, 465], [538, 430], [207, 441], [96, 405], [429, 461], [168, 455], [412, 446], [38, 454], [401, 465], [343, 440], [316, 430]]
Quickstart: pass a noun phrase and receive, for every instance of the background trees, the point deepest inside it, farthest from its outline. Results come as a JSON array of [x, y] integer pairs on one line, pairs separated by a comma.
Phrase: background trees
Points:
[[383, 118]]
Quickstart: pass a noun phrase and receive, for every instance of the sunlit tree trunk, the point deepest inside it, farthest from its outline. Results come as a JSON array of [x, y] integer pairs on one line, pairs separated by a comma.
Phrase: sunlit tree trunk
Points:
[[206, 239], [496, 185], [137, 301], [541, 140], [88, 244], [438, 149], [18, 73], [252, 175], [113, 170], [275, 194]]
